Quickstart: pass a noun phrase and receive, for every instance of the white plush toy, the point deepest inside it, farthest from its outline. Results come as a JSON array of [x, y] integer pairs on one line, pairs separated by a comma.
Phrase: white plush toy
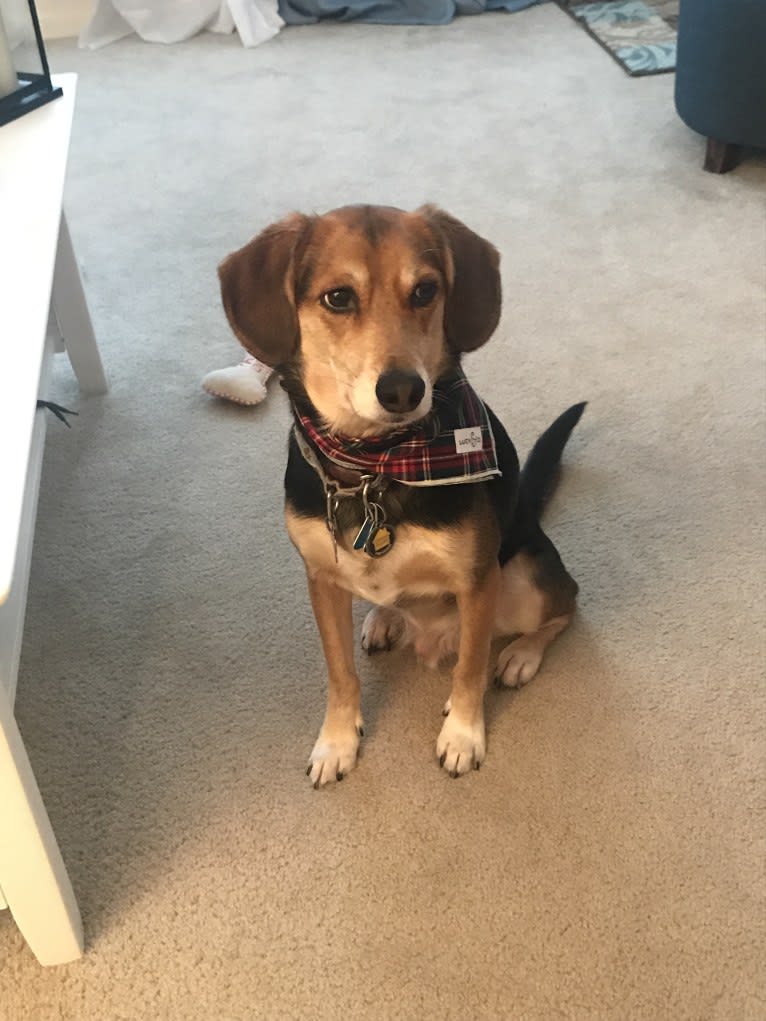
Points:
[[244, 383]]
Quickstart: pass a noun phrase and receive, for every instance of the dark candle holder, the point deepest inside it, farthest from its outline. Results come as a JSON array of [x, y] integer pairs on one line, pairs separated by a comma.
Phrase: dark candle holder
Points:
[[25, 80]]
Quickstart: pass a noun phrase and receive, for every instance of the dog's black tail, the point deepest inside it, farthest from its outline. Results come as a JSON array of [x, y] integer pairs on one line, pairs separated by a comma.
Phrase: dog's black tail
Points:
[[538, 477]]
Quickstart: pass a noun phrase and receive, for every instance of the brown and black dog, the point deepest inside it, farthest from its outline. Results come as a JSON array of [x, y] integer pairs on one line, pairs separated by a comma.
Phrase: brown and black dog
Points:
[[363, 311]]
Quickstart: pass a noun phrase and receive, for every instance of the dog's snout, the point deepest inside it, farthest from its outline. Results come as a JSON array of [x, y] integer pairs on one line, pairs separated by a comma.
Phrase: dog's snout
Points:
[[400, 391]]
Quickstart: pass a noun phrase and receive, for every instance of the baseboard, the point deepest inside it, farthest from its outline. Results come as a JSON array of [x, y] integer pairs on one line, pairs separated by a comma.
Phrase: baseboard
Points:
[[60, 19]]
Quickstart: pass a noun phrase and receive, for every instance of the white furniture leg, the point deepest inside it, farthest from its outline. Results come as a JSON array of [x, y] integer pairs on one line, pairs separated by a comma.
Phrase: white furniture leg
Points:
[[35, 248], [34, 881], [73, 317], [53, 333]]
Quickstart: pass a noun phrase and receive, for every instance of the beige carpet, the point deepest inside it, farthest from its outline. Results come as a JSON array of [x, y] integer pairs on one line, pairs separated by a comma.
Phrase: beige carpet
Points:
[[607, 861]]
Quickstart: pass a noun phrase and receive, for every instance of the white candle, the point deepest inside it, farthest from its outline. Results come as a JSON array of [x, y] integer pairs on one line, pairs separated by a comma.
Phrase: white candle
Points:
[[8, 80]]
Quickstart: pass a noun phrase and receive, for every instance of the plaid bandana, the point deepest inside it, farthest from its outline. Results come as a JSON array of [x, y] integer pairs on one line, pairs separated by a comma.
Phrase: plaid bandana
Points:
[[452, 444]]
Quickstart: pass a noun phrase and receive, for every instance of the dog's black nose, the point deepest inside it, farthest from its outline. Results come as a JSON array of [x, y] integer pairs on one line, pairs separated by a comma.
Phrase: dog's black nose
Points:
[[400, 391]]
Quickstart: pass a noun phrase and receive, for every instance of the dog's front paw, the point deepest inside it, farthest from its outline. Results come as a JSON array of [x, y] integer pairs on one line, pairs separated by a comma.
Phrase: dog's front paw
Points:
[[382, 629], [334, 753], [518, 663], [461, 745]]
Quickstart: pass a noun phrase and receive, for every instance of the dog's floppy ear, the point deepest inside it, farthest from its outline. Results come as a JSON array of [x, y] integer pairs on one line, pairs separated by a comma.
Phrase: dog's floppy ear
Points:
[[257, 288], [472, 308]]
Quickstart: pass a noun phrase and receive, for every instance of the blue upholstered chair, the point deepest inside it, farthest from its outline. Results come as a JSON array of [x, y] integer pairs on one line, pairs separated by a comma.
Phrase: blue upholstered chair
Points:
[[721, 76]]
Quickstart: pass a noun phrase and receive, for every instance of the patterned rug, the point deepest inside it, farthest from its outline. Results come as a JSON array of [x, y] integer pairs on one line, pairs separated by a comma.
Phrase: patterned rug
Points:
[[639, 34]]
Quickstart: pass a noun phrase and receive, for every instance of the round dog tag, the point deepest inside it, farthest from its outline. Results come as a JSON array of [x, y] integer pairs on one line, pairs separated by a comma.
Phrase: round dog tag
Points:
[[380, 541]]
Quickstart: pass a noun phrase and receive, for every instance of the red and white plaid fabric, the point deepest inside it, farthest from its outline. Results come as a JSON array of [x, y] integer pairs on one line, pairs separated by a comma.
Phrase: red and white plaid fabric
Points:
[[452, 444]]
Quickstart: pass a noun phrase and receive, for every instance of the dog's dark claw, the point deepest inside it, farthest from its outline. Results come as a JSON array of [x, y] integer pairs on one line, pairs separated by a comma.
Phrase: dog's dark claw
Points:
[[498, 682], [443, 758], [316, 785], [477, 766], [373, 650], [360, 731], [339, 775], [308, 769]]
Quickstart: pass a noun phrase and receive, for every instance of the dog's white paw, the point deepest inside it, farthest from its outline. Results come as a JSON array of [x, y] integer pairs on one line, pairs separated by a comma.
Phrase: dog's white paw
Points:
[[461, 746], [382, 629], [334, 754], [518, 663]]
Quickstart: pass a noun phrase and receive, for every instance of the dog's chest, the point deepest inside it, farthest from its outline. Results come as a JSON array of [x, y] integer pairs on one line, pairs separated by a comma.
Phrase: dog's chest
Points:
[[422, 562]]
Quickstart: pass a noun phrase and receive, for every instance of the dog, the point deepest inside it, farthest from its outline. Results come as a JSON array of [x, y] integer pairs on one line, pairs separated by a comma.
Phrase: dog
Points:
[[401, 486]]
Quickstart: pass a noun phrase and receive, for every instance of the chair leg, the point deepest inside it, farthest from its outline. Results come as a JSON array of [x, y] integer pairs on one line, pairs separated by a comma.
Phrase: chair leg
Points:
[[721, 157]]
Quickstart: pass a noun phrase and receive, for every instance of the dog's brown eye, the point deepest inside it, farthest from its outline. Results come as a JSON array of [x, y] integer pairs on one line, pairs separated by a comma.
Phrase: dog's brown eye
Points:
[[339, 300], [424, 293]]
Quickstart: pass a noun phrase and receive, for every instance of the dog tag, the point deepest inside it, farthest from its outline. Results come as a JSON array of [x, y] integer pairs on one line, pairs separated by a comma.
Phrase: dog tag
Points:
[[380, 541], [364, 533], [374, 516]]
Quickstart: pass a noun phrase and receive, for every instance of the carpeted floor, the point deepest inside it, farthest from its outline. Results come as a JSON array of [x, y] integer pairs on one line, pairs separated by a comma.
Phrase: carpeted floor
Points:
[[607, 861]]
